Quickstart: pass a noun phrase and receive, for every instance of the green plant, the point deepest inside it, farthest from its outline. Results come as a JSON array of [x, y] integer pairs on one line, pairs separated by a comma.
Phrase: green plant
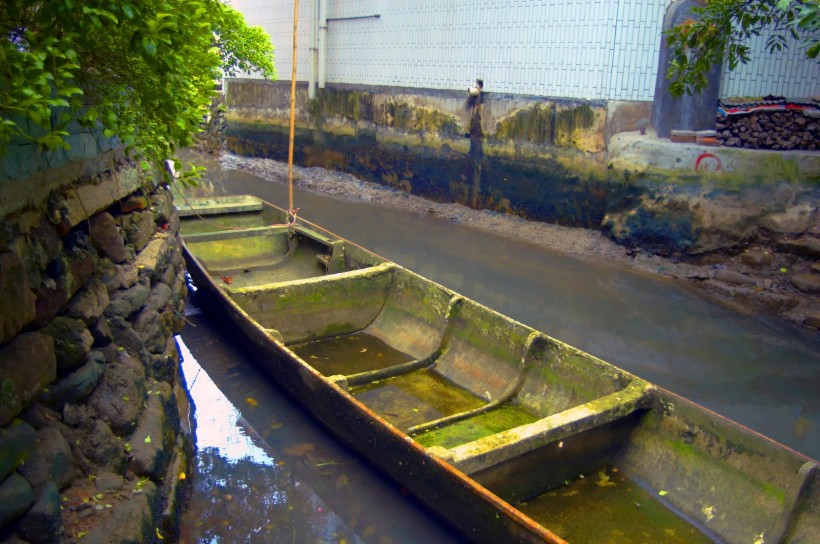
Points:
[[143, 71], [720, 30]]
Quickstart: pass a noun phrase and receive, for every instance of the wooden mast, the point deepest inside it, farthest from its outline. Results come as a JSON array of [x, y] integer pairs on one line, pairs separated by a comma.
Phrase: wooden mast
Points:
[[291, 209]]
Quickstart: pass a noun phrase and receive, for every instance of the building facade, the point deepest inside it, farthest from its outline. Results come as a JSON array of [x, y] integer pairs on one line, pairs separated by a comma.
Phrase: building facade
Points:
[[578, 49]]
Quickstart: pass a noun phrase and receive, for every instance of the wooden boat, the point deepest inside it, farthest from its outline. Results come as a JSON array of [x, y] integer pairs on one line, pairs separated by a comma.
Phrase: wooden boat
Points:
[[506, 433]]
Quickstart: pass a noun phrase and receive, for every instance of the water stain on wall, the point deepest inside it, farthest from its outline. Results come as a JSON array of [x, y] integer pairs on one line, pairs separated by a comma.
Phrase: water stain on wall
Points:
[[543, 190]]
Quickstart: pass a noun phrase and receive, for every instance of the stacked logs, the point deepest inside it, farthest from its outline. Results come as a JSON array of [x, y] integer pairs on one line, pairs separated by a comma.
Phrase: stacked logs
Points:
[[779, 130]]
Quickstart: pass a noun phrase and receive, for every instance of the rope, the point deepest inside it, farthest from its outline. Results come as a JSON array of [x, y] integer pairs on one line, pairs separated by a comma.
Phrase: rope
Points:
[[291, 219]]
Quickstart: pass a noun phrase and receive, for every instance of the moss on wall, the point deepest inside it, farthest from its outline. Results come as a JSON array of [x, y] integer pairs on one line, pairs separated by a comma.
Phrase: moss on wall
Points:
[[535, 125], [577, 126]]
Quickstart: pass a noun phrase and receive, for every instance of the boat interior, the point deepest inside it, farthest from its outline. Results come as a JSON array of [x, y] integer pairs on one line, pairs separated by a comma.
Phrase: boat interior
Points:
[[523, 414]]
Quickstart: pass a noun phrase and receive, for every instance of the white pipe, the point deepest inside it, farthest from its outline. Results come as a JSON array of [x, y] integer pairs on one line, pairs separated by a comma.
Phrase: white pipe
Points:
[[322, 42], [314, 48]]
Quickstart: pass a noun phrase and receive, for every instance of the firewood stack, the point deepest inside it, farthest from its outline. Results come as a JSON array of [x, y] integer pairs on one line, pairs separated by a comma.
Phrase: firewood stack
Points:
[[769, 123]]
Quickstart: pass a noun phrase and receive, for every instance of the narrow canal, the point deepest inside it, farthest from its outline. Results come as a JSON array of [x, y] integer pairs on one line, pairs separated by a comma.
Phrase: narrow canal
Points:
[[762, 373]]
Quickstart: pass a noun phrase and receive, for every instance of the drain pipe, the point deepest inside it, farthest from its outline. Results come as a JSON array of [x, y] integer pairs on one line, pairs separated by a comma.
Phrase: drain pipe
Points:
[[314, 49], [322, 42]]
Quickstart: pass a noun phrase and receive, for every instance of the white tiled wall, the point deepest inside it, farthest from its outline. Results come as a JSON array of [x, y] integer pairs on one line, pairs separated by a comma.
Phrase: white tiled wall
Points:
[[592, 49], [782, 73]]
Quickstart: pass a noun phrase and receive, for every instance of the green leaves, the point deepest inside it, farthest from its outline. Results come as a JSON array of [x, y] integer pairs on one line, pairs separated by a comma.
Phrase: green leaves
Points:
[[720, 30], [143, 71]]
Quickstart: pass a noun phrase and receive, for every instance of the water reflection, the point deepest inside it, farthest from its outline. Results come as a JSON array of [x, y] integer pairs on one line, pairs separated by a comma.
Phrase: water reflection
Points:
[[267, 473], [242, 494]]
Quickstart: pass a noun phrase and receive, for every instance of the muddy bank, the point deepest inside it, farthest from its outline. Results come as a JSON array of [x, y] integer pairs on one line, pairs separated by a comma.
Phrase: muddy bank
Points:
[[779, 279]]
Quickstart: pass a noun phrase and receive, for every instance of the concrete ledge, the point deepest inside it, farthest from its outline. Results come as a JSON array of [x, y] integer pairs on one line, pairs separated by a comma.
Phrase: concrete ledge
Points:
[[632, 151]]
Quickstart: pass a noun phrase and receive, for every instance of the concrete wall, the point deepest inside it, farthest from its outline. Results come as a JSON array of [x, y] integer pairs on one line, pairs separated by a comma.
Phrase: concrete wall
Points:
[[541, 159], [582, 49], [94, 439]]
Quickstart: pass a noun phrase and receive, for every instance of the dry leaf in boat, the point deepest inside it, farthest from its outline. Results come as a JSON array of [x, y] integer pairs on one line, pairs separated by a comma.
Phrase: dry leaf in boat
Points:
[[603, 480], [252, 401]]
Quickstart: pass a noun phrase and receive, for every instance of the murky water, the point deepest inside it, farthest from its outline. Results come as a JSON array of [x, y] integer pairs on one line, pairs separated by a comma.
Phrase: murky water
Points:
[[266, 473], [606, 507], [762, 373], [349, 354]]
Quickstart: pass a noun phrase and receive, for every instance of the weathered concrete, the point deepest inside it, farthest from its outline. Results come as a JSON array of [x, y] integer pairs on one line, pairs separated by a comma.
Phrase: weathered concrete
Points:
[[646, 155]]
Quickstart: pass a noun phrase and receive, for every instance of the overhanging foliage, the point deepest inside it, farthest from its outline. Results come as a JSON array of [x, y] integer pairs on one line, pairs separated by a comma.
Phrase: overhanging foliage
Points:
[[720, 30], [144, 71]]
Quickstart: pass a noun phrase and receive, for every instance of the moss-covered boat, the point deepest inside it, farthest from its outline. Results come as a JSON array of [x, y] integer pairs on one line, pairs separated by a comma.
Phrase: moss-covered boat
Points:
[[503, 431]]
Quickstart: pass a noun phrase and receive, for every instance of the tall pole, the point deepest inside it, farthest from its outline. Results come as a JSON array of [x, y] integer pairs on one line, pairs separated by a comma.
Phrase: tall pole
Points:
[[291, 213]]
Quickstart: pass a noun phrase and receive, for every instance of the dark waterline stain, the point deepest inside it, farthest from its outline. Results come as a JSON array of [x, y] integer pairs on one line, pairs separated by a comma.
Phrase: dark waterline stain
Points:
[[542, 190]]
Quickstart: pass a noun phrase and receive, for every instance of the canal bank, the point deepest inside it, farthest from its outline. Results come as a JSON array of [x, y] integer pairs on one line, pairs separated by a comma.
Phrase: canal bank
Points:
[[741, 223]]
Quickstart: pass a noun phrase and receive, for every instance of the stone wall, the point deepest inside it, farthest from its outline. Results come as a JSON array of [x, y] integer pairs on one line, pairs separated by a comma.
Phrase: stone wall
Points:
[[95, 440]]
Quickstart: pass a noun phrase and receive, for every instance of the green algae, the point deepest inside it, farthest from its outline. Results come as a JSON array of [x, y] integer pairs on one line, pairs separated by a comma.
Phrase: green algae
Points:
[[535, 125], [410, 118], [218, 223], [503, 418], [545, 124], [416, 398]]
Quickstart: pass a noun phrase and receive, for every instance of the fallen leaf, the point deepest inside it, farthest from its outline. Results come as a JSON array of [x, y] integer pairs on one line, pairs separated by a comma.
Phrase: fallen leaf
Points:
[[148, 439], [299, 449], [252, 401]]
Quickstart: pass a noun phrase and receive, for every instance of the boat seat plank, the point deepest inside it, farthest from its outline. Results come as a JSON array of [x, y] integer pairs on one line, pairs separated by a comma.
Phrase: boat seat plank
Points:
[[414, 316], [559, 377], [235, 234], [485, 452], [219, 205], [320, 307]]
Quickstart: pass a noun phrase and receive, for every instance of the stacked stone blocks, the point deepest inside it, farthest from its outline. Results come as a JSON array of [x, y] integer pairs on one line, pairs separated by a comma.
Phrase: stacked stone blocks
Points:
[[93, 447]]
